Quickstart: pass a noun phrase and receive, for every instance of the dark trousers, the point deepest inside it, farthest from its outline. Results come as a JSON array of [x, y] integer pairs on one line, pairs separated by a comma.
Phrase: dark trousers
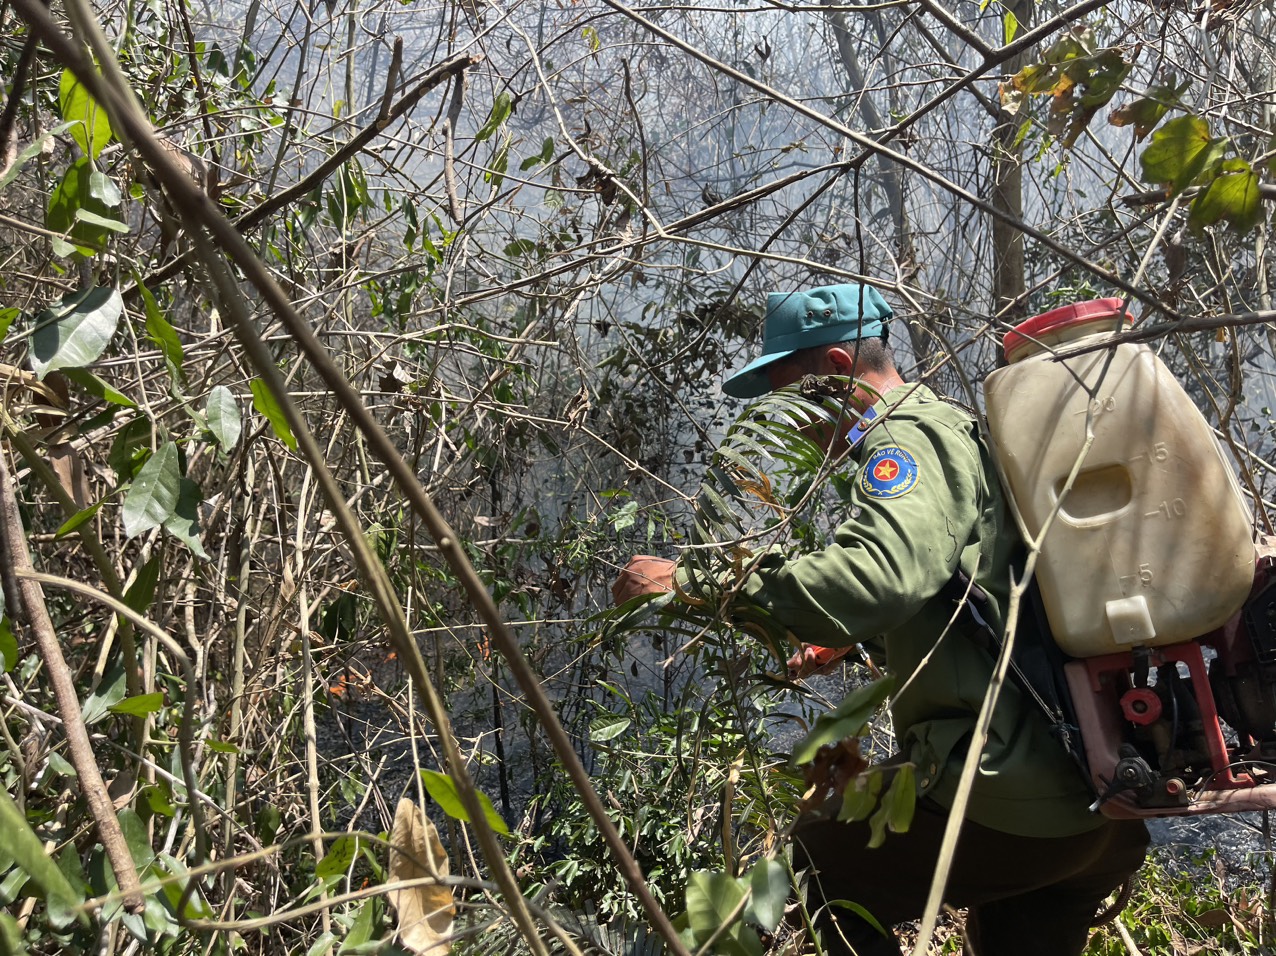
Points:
[[1026, 895]]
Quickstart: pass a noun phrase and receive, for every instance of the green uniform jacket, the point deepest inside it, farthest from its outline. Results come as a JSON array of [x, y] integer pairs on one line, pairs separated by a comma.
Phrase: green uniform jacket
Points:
[[926, 500]]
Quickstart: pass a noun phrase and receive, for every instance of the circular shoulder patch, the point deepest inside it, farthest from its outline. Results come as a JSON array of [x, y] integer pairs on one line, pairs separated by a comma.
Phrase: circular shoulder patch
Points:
[[889, 473]]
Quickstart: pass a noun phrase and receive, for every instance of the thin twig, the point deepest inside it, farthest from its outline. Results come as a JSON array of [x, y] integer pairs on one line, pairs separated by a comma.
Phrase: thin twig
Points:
[[15, 568], [186, 730], [112, 91]]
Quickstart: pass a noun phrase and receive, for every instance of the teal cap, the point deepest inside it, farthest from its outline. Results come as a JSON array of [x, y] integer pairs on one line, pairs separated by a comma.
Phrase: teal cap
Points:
[[801, 320]]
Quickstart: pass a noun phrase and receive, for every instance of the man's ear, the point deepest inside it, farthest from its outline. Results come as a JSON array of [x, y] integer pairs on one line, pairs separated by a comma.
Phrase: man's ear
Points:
[[842, 361]]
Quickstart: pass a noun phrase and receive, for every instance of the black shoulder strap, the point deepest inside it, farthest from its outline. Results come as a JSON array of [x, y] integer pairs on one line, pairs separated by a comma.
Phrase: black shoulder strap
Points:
[[1036, 663]]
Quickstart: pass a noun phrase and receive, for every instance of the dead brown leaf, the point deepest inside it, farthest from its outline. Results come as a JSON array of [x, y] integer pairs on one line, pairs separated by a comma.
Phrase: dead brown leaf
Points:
[[425, 911]]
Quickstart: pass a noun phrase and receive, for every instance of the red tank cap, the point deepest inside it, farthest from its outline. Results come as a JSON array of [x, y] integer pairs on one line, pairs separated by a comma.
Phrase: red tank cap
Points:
[[1079, 313]]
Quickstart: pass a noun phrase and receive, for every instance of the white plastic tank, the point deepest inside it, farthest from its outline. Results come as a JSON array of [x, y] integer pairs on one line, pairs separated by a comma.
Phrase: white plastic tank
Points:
[[1152, 544]]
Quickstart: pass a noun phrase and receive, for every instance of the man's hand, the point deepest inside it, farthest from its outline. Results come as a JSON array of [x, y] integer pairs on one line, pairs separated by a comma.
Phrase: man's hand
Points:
[[815, 660], [643, 575]]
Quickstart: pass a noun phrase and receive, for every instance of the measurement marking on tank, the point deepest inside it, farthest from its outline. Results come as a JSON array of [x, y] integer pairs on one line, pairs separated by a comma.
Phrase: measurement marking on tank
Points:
[[1169, 510], [1130, 582]]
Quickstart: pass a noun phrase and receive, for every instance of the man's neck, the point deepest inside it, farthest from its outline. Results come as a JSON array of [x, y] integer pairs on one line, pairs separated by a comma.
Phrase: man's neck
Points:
[[870, 386]]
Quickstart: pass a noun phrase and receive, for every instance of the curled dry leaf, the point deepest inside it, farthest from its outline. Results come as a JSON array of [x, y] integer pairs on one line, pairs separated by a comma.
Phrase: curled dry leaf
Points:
[[425, 911]]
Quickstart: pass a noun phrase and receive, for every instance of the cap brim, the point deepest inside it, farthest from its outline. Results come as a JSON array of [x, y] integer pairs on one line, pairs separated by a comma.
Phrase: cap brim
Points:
[[752, 381]]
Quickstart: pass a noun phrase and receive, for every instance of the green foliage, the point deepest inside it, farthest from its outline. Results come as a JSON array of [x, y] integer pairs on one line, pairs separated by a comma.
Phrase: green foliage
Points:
[[1232, 196], [222, 414], [99, 387], [80, 209], [1180, 152], [441, 788], [715, 903], [502, 107], [769, 891], [139, 706], [29, 152], [1190, 906], [152, 499], [8, 645], [849, 719], [161, 496], [266, 405], [1080, 78], [159, 331], [76, 331], [27, 851], [89, 123], [545, 371], [1148, 110], [1183, 153]]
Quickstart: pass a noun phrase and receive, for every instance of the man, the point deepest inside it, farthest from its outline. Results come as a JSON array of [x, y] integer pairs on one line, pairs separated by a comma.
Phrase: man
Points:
[[1033, 863]]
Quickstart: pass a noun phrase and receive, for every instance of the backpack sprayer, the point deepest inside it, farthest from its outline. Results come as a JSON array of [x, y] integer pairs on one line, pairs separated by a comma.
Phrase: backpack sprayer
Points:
[[1161, 606]]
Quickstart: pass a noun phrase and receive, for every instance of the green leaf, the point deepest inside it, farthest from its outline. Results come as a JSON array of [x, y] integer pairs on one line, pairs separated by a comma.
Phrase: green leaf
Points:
[[860, 797], [99, 388], [159, 331], [847, 720], [131, 447], [6, 320], [90, 125], [183, 524], [495, 174], [222, 413], [1145, 112], [102, 188], [608, 727], [1179, 151], [76, 331], [365, 922], [59, 766], [77, 520], [141, 592], [268, 821], [266, 405], [97, 219], [135, 835], [501, 110], [901, 800], [109, 693], [8, 646], [520, 247], [1233, 196], [711, 900], [152, 499], [139, 706], [323, 944], [222, 747], [896, 812], [769, 883], [862, 913], [63, 249], [157, 801], [28, 852], [69, 199], [1011, 25], [11, 943], [339, 857], [196, 906], [443, 791]]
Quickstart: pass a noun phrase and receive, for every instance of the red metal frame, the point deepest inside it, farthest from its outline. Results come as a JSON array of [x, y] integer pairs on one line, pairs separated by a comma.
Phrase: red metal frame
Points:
[[1097, 683]]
